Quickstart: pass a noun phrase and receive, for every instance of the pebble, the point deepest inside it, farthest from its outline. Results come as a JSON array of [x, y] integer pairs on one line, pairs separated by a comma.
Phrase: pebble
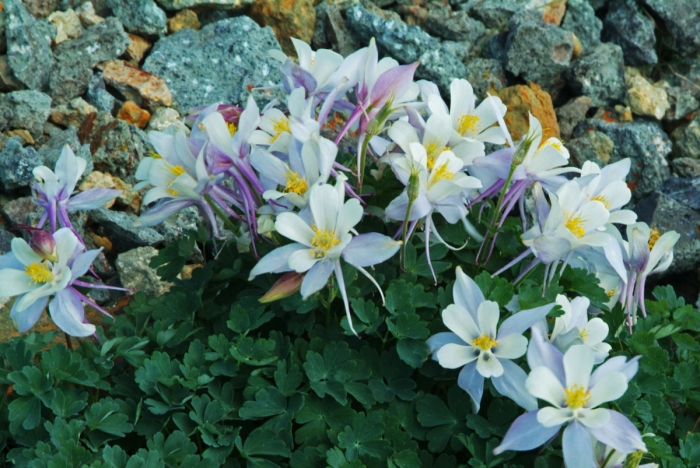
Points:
[[688, 139], [331, 31], [571, 113], [25, 136], [217, 4], [522, 100], [686, 167], [288, 19], [163, 118], [25, 110], [98, 96], [628, 27], [140, 86], [681, 100], [119, 147], [581, 20], [495, 14], [140, 16], [17, 164], [68, 25], [600, 75], [88, 16], [131, 113], [119, 229], [137, 48], [485, 75], [135, 272], [183, 19], [643, 98], [594, 146], [20, 211], [680, 20], [454, 25], [97, 179], [72, 114], [51, 150]]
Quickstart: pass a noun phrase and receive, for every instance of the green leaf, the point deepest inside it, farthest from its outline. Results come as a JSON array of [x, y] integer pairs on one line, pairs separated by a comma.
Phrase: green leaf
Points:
[[686, 341], [68, 402], [288, 380], [690, 449], [363, 437], [258, 352], [25, 411], [403, 297], [327, 373], [664, 419], [268, 402], [172, 258], [495, 289], [62, 432], [244, 321], [408, 326], [68, 366], [412, 352], [174, 449], [106, 416], [264, 442], [583, 283]]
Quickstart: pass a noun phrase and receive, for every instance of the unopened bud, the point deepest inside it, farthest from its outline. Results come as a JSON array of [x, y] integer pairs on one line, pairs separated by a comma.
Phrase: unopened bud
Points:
[[413, 186], [287, 285], [43, 243], [523, 149]]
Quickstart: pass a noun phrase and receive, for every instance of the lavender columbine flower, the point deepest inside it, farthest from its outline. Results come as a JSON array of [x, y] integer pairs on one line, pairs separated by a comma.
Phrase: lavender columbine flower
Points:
[[480, 347], [575, 394], [53, 191], [35, 278], [322, 241]]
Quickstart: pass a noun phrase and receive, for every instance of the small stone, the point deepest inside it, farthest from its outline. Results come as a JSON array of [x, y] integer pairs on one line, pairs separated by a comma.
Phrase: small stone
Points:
[[140, 16], [120, 230], [331, 31], [101, 242], [98, 96], [221, 59], [594, 146], [131, 113], [628, 27], [624, 113], [25, 109], [68, 25], [184, 19], [522, 100], [495, 14], [578, 47], [485, 75], [8, 80], [24, 135], [681, 100], [20, 210], [688, 141], [454, 25], [137, 48], [17, 164], [643, 98], [138, 85], [98, 179], [686, 167], [600, 75], [51, 150], [288, 19], [581, 20], [163, 118], [29, 54], [538, 51], [135, 272], [553, 12], [571, 113], [88, 16], [214, 4], [40, 8], [5, 241], [681, 20], [119, 147], [73, 113]]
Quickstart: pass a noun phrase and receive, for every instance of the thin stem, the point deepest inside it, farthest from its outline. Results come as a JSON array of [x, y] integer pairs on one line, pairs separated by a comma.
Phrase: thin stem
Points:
[[361, 161], [220, 212], [69, 343], [607, 459], [404, 233], [494, 219]]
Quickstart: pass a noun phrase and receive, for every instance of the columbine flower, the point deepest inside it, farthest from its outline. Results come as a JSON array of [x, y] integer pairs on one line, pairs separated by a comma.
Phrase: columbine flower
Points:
[[53, 191], [575, 394], [323, 240], [480, 347], [608, 186], [35, 278], [574, 328], [314, 71]]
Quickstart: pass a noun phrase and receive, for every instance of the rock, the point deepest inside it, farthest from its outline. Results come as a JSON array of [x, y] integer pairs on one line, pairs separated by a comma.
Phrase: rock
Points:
[[495, 48], [119, 229], [681, 100], [40, 8], [331, 31], [187, 219], [495, 14], [129, 199], [51, 150], [20, 211], [98, 96], [75, 59], [24, 135], [17, 164], [643, 98], [600, 75], [137, 48], [644, 142], [163, 118], [184, 19], [538, 51], [571, 113], [68, 25], [681, 20], [118, 148], [135, 272], [453, 25], [686, 167], [440, 66], [522, 100], [140, 16], [594, 146], [131, 113], [666, 214], [553, 12], [8, 80], [628, 27], [88, 16], [581, 20], [142, 87], [28, 52], [73, 113], [215, 4], [3, 42], [688, 141], [5, 241], [98, 179], [221, 59], [485, 75], [288, 19], [25, 109]]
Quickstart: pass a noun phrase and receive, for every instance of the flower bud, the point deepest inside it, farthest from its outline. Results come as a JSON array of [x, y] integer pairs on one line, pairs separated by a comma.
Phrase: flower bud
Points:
[[287, 285], [43, 243], [413, 186]]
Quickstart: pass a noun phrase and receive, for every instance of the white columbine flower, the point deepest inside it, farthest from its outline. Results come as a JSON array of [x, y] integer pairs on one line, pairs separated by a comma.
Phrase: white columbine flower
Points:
[[574, 328]]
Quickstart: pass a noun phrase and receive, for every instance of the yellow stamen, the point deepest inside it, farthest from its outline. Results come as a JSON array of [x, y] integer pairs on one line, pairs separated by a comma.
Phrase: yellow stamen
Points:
[[231, 128], [295, 183], [280, 126], [323, 241], [611, 293], [584, 335], [172, 192], [573, 224], [484, 342], [576, 396], [154, 155], [433, 151], [556, 144], [441, 173], [177, 170], [604, 201], [468, 124], [38, 273], [654, 235]]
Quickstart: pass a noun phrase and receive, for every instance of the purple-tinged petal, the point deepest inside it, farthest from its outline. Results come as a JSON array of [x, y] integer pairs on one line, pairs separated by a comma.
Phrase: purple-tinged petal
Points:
[[521, 321], [512, 385], [619, 433], [393, 83], [473, 383], [276, 261], [26, 319], [578, 447], [542, 353], [526, 434], [317, 277], [162, 211], [370, 249], [92, 199], [467, 294], [439, 340], [83, 263], [616, 364], [9, 260], [68, 313]]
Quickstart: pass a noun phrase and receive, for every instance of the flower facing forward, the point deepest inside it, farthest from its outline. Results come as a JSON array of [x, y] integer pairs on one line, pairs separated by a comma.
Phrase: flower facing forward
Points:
[[575, 394], [480, 347], [574, 328]]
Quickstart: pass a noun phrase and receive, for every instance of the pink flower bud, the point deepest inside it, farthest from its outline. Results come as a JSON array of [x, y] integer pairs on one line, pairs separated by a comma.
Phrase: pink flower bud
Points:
[[287, 285], [43, 243]]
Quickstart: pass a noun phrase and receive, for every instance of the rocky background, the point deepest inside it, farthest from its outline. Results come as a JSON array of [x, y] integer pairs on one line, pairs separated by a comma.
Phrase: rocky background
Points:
[[612, 78]]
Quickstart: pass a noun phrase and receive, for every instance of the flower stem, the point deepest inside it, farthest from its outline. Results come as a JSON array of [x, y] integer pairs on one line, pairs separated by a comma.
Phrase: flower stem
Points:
[[222, 215], [607, 459], [491, 234]]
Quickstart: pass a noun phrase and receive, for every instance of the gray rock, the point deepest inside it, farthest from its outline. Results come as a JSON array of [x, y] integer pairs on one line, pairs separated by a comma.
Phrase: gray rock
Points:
[[571, 113], [600, 75], [495, 48], [140, 16], [28, 52], [628, 27], [25, 109], [598, 4], [331, 31], [75, 59], [441, 67], [118, 227], [495, 14], [163, 118], [485, 75], [644, 142], [593, 146], [682, 102], [581, 20], [51, 150], [667, 214], [20, 211], [17, 164], [453, 25], [97, 94], [688, 142], [215, 4], [681, 20], [686, 167], [3, 42], [5, 241], [685, 191], [538, 51], [187, 219], [47, 30], [135, 272], [40, 8], [216, 63], [121, 147]]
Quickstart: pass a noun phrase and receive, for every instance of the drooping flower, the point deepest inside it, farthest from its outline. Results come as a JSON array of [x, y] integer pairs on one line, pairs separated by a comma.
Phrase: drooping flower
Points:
[[608, 186], [480, 347], [574, 328]]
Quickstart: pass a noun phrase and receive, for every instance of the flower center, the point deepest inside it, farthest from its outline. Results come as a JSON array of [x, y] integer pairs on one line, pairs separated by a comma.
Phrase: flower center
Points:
[[604, 201], [280, 126], [484, 342], [323, 241], [38, 273], [574, 225], [584, 335], [468, 123], [654, 235], [576, 396], [295, 183], [433, 151], [231, 128], [441, 173], [172, 192], [154, 155], [177, 170], [611, 293]]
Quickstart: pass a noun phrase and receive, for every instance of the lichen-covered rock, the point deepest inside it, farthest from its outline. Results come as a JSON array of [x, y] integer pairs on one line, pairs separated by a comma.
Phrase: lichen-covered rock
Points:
[[581, 20], [216, 4], [118, 226], [17, 164], [331, 31], [681, 21], [140, 16], [97, 94], [688, 140], [221, 61], [28, 51], [72, 114], [495, 14], [8, 80], [643, 98], [25, 109], [184, 19], [68, 25], [522, 100], [119, 147], [51, 150], [20, 210], [135, 272], [571, 113], [628, 27], [600, 75], [538, 51], [485, 75], [288, 19], [593, 146], [686, 167], [681, 100], [137, 85], [453, 25]]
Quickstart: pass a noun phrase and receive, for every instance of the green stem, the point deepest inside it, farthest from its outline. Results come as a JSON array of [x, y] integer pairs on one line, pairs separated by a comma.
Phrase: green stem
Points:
[[607, 459], [494, 220], [224, 217], [404, 233], [361, 161]]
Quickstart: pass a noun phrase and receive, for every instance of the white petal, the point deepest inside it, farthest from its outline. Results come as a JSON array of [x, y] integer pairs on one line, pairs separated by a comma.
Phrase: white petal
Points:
[[595, 331], [543, 384], [291, 226], [488, 365], [68, 313], [325, 206], [578, 363], [488, 316], [23, 252], [466, 293], [453, 356], [610, 387], [302, 260], [550, 417], [15, 282], [593, 417], [459, 321], [511, 347], [26, 319]]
